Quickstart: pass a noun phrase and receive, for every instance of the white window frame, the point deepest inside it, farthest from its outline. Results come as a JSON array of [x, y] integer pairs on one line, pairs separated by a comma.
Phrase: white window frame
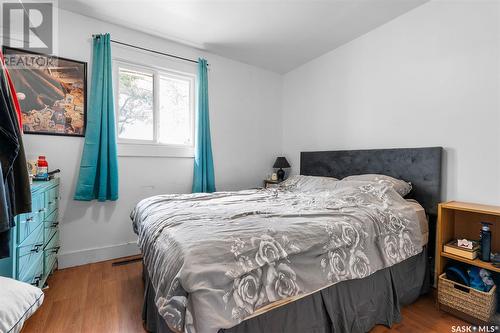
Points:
[[153, 148]]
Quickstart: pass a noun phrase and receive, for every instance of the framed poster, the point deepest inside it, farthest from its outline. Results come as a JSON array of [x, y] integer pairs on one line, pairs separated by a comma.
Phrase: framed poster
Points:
[[52, 92]]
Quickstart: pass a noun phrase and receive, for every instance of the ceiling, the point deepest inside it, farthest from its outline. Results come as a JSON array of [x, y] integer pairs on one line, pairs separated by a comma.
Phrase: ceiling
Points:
[[278, 35]]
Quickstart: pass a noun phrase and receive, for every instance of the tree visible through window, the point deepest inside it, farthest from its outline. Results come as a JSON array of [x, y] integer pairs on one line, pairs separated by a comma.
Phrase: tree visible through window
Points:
[[155, 107], [135, 106]]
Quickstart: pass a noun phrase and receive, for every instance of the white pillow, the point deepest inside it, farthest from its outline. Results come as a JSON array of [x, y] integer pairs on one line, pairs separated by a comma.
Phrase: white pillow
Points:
[[18, 301], [309, 183], [400, 186]]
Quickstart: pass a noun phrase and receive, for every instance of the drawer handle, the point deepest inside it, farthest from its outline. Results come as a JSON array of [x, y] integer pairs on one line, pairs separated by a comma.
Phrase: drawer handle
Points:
[[55, 224], [42, 210], [56, 249], [36, 280], [29, 219], [53, 202], [36, 248]]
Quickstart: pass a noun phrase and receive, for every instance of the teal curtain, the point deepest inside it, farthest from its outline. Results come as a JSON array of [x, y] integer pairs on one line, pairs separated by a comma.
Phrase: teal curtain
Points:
[[98, 178], [203, 178]]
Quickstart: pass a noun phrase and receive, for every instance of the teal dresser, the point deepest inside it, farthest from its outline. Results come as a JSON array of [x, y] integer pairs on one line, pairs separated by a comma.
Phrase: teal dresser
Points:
[[35, 239]]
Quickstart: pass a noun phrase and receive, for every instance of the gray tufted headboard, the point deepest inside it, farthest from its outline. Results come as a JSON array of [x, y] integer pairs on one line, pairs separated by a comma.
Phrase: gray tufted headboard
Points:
[[420, 166]]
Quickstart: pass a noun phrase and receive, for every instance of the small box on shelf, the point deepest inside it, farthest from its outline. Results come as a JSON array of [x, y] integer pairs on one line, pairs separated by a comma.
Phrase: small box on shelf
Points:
[[453, 248]]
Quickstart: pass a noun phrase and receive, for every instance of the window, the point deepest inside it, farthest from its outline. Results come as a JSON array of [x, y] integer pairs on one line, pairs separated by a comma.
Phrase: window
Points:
[[155, 108], [175, 116], [135, 105]]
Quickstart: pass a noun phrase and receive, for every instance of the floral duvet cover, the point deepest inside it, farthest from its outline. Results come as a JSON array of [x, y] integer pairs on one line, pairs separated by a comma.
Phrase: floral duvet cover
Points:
[[216, 259]]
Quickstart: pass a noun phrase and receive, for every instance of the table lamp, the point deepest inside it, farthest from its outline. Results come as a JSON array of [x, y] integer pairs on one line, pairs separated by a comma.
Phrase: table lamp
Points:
[[281, 163]]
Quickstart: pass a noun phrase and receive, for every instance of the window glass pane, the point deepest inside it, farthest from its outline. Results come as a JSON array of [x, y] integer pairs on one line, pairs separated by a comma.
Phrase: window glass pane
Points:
[[175, 111], [135, 107]]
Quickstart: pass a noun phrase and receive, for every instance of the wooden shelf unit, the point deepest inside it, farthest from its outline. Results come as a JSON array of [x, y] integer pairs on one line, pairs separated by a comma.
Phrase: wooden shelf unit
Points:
[[463, 220], [476, 262]]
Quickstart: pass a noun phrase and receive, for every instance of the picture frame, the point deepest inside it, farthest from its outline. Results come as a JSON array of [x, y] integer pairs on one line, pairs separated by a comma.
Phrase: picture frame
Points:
[[52, 92]]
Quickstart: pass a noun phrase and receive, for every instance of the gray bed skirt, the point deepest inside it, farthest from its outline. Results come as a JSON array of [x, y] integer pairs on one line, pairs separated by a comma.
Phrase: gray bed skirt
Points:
[[349, 306]]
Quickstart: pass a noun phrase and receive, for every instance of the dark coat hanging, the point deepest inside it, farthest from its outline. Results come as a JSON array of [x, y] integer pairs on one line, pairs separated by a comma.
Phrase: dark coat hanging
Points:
[[16, 196]]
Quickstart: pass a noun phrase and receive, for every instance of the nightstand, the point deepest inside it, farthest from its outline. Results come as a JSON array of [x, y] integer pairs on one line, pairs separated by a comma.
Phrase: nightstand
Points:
[[271, 183], [463, 220]]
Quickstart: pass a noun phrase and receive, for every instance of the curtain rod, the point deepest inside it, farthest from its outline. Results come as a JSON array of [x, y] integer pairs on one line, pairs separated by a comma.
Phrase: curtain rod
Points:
[[152, 51]]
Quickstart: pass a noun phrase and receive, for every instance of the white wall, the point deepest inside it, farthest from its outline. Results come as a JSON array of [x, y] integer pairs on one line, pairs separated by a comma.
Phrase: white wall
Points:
[[245, 108], [427, 78]]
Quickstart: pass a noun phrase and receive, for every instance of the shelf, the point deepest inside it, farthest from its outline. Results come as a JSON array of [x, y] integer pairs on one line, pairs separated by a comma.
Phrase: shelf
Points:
[[472, 207], [475, 262]]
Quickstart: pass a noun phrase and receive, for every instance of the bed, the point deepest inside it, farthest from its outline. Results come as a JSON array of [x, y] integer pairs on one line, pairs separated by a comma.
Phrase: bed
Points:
[[285, 260]]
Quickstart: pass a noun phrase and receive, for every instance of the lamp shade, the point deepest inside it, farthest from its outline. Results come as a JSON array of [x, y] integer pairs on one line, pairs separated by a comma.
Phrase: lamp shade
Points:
[[281, 162]]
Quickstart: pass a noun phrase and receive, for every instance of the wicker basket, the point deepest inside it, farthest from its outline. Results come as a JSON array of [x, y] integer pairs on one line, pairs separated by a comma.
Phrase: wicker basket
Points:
[[469, 301]]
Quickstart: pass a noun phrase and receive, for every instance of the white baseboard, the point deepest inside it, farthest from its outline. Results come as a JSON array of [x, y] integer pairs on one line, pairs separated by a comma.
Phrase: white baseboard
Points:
[[77, 258]]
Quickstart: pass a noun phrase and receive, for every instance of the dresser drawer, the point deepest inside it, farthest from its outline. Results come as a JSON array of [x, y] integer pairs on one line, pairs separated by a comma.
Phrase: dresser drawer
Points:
[[50, 253], [53, 243], [51, 200], [51, 224], [30, 268], [29, 255], [35, 274], [27, 223], [34, 237], [32, 243]]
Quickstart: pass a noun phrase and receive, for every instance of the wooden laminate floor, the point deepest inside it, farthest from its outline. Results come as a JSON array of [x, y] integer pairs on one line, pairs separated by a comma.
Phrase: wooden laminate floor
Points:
[[104, 298]]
